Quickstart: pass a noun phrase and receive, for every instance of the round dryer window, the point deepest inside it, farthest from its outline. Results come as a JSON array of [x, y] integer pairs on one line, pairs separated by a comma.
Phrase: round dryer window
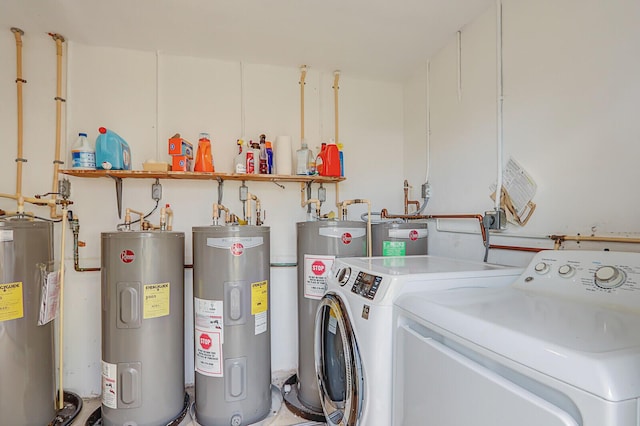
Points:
[[338, 363]]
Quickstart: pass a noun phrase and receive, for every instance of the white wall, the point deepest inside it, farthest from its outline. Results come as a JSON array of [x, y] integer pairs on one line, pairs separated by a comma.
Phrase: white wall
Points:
[[570, 119], [146, 97]]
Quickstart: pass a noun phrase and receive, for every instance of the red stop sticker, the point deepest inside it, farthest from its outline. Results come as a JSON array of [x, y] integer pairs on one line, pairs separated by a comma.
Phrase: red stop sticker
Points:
[[318, 267], [205, 341], [346, 238], [237, 249], [127, 256], [413, 235]]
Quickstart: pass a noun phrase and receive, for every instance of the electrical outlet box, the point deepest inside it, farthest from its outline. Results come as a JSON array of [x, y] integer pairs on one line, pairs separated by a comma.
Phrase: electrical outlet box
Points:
[[426, 190], [322, 194], [243, 192], [156, 191], [64, 188], [495, 220]]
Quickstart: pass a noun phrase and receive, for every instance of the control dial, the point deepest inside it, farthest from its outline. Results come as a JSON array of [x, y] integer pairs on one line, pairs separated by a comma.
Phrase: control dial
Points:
[[609, 277], [541, 268], [566, 271], [343, 275]]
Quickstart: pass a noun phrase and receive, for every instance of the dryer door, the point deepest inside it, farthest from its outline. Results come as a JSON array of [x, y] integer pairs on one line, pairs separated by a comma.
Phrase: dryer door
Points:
[[338, 363]]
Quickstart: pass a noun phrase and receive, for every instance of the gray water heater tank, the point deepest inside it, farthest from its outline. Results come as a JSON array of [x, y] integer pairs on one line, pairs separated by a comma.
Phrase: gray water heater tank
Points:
[[27, 387], [231, 274], [142, 327], [319, 243], [399, 238]]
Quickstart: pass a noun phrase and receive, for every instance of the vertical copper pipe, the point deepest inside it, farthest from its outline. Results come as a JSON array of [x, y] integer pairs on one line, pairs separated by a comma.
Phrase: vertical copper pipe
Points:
[[56, 162], [18, 33]]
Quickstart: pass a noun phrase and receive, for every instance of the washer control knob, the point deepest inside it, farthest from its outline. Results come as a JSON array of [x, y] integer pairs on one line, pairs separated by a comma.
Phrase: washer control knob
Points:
[[566, 271], [343, 275], [609, 277], [541, 268]]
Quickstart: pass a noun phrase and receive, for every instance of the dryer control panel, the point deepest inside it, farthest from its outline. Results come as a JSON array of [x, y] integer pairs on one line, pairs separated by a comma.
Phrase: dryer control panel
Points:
[[366, 285], [613, 277]]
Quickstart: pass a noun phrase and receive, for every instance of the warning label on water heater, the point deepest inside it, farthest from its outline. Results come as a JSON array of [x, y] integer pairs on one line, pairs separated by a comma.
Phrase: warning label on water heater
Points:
[[208, 353], [316, 271], [156, 300], [11, 304], [109, 385], [260, 305]]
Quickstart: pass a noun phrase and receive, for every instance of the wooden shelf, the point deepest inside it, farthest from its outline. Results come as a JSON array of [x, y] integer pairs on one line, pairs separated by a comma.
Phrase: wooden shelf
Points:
[[144, 174]]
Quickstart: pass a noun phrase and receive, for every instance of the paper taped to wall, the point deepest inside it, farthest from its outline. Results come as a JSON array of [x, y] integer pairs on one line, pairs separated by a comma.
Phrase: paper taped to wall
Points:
[[518, 189]]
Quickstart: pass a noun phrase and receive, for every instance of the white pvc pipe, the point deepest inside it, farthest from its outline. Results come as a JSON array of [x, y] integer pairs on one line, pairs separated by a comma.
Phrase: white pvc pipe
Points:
[[459, 65], [61, 312], [428, 112], [500, 141]]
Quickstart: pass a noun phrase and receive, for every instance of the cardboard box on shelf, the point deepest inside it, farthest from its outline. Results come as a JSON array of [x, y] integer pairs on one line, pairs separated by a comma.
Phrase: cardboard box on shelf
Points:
[[181, 163], [179, 146]]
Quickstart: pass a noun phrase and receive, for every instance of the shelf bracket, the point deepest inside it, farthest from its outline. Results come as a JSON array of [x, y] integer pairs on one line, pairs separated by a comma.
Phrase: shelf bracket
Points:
[[118, 181]]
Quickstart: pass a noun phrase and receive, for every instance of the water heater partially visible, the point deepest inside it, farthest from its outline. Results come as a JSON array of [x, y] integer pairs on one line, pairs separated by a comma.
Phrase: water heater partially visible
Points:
[[399, 238], [27, 384], [142, 327]]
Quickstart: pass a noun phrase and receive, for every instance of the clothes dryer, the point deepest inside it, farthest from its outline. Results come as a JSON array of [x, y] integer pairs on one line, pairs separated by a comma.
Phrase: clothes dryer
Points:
[[354, 327], [558, 347]]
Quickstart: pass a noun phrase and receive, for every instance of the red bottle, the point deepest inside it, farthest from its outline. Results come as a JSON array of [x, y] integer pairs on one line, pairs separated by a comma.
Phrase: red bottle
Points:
[[331, 164], [320, 159]]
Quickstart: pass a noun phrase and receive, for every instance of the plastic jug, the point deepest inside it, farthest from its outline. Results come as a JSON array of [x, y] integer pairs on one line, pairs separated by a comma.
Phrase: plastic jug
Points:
[[83, 156], [204, 158], [112, 151], [331, 166]]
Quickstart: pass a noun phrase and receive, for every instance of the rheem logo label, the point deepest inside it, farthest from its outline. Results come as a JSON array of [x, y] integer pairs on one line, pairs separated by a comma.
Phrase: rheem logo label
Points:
[[127, 256], [346, 238], [413, 235], [237, 249]]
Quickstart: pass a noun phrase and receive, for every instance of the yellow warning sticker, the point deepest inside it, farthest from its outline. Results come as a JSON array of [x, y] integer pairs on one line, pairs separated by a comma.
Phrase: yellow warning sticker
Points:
[[156, 300], [259, 297], [11, 304]]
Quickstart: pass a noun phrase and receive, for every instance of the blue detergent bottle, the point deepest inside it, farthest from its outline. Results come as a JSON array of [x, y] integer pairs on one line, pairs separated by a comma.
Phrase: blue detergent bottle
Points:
[[112, 151]]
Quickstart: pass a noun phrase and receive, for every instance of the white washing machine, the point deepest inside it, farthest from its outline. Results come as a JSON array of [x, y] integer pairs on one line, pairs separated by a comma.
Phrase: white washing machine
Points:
[[354, 327], [559, 347]]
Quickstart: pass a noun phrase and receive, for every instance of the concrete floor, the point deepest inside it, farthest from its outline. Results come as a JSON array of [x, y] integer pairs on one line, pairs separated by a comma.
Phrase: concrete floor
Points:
[[279, 415]]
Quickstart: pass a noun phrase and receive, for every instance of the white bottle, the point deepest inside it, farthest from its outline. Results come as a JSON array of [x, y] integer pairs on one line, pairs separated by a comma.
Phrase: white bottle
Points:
[[304, 158], [83, 155]]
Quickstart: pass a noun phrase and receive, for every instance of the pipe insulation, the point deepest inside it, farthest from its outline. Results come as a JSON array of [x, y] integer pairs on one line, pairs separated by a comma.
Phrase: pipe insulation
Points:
[[59, 100], [499, 112]]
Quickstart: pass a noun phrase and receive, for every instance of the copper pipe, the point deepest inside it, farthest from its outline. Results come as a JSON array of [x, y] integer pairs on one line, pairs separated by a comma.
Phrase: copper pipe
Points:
[[516, 248], [385, 215], [18, 33], [563, 238], [57, 161], [408, 202]]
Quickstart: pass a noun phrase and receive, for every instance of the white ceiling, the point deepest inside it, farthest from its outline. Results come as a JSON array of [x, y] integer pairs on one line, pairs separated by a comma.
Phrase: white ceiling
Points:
[[378, 39]]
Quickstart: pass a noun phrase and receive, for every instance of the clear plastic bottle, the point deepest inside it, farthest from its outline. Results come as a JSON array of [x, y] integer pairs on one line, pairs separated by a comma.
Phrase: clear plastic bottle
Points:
[[240, 160], [82, 155], [304, 160]]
